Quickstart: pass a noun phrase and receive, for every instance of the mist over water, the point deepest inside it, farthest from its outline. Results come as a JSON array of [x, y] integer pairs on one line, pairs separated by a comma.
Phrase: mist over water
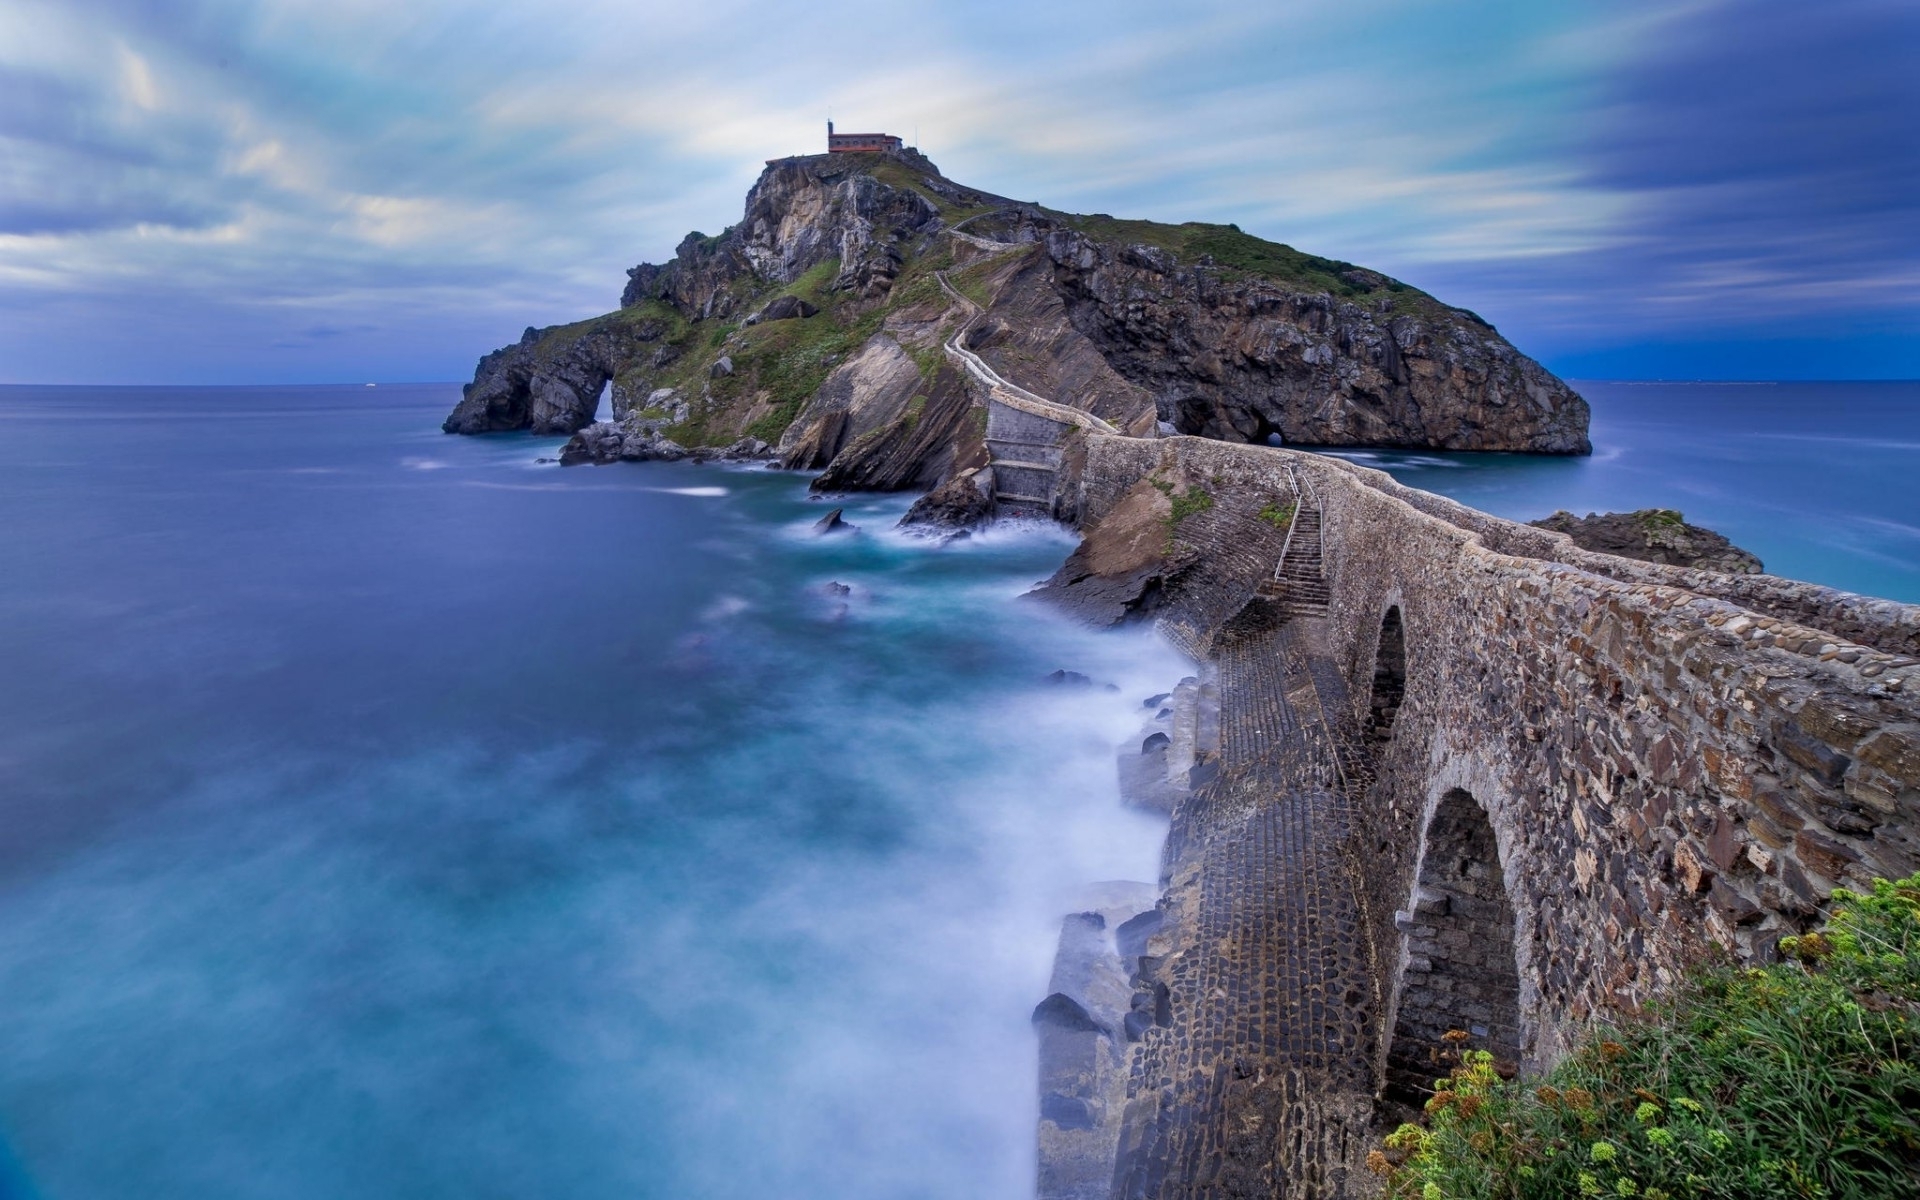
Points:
[[389, 815], [385, 814]]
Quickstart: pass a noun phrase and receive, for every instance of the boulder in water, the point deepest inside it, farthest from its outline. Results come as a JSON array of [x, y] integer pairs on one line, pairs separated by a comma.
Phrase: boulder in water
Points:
[[833, 523]]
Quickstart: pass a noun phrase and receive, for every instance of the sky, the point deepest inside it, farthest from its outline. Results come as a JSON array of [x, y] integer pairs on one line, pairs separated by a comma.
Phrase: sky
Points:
[[217, 191]]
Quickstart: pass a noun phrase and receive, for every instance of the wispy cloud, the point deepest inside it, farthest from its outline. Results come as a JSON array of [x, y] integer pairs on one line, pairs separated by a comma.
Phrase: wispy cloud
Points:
[[189, 190]]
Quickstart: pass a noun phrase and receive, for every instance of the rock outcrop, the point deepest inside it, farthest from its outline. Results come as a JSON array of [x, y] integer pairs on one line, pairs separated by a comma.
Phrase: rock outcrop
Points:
[[963, 502], [817, 323], [1658, 535], [1323, 353], [620, 441], [551, 379]]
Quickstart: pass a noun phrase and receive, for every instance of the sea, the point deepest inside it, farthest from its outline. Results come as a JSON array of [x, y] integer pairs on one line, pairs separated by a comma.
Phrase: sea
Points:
[[387, 814]]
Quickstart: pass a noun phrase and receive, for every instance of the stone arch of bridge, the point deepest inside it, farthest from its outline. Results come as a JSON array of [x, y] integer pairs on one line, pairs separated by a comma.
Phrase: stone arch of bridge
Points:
[[1389, 685], [1459, 971]]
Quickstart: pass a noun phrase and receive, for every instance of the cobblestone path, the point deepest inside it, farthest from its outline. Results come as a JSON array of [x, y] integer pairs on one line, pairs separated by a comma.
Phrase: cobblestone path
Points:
[[1258, 1082]]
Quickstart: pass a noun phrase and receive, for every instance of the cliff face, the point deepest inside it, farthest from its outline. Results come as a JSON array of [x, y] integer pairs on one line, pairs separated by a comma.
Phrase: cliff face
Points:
[[551, 379], [796, 326], [1236, 354]]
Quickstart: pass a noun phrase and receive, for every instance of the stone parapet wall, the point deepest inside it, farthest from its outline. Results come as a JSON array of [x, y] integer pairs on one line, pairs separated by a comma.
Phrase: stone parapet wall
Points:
[[1668, 775], [1662, 783], [1885, 625]]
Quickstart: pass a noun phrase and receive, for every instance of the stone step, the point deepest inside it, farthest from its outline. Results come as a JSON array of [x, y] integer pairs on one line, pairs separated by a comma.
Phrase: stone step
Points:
[[1016, 465], [1009, 497]]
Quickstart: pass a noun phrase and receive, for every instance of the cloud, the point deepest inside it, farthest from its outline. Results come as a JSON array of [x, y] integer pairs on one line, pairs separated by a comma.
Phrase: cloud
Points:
[[1583, 176]]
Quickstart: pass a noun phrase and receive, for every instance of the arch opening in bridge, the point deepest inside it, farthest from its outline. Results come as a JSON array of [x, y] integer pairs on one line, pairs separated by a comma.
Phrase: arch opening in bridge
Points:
[[1389, 678], [1460, 972]]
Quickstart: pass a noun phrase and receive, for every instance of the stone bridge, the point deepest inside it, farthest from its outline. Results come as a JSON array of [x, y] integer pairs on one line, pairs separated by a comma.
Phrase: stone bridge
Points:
[[1437, 771]]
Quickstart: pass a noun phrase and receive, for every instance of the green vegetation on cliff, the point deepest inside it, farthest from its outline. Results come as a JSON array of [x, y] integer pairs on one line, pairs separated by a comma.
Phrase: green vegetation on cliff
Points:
[[1235, 253], [1800, 1079]]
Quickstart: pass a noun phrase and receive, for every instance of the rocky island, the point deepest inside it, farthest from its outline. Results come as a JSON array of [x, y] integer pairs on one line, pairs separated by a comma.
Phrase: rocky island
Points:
[[1653, 535], [816, 323], [1437, 777]]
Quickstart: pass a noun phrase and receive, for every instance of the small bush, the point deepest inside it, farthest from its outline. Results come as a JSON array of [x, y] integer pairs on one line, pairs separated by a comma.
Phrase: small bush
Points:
[[1800, 1079]]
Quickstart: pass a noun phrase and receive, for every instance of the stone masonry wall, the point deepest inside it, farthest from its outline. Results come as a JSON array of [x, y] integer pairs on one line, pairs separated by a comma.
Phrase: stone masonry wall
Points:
[[1668, 775]]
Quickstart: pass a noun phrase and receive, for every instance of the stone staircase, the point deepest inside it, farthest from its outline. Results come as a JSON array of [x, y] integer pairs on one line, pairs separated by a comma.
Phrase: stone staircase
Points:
[[1299, 586]]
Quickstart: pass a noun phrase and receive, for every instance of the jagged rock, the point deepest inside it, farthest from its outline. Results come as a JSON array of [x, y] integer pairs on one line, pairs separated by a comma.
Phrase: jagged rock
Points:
[[746, 449], [597, 443], [722, 367], [1658, 535], [667, 401], [1124, 566], [1061, 677], [833, 523], [913, 450], [959, 504], [551, 379], [610, 441], [699, 280]]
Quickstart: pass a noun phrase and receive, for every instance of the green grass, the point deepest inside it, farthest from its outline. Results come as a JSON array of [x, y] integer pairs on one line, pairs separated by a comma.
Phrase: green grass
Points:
[[1191, 502], [813, 284], [1799, 1079], [899, 175], [1278, 515], [971, 281], [1238, 254], [790, 360]]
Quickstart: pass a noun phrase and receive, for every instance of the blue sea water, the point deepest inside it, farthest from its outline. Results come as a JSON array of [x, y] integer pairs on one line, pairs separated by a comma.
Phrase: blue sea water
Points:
[[388, 815], [385, 814], [1821, 480]]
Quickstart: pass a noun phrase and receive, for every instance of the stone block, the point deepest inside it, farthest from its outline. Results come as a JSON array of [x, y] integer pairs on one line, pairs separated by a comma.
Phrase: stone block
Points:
[[1823, 855], [1691, 868], [1834, 724], [1895, 750], [1778, 810], [1819, 760]]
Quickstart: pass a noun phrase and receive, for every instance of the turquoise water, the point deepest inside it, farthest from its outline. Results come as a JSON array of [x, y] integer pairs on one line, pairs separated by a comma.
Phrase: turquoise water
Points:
[[1821, 480], [388, 815]]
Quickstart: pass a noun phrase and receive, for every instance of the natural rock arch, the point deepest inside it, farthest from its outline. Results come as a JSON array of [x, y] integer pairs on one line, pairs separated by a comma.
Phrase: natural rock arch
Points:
[[1460, 971], [1389, 678]]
